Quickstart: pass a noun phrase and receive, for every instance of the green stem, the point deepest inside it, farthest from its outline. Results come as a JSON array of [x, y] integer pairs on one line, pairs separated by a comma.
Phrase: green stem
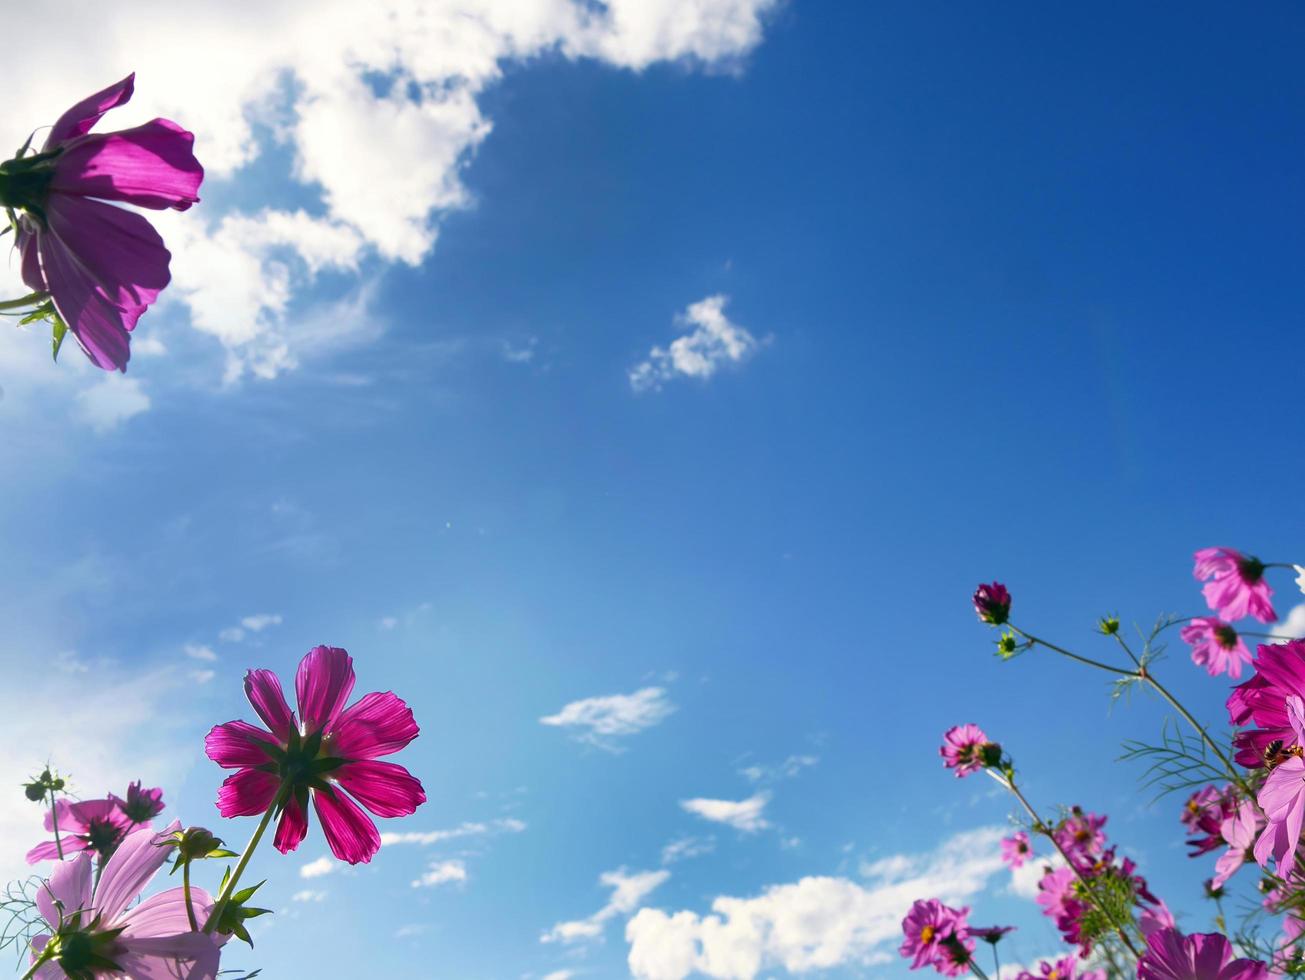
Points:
[[1073, 656], [1210, 743], [225, 895], [1040, 827], [977, 970], [185, 887], [30, 298], [41, 960], [54, 818]]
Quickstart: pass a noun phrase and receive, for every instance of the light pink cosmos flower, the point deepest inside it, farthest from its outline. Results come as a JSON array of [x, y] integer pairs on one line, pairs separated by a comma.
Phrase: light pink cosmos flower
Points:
[[1065, 968], [1206, 956], [1240, 831], [327, 753], [103, 266], [1016, 850], [1282, 798], [95, 934], [1236, 588], [966, 749], [1154, 918], [1215, 646], [936, 935], [97, 826], [1262, 700]]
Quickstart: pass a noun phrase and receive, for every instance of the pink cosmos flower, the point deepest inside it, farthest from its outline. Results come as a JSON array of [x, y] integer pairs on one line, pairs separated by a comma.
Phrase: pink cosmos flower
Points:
[[1016, 850], [1055, 891], [95, 935], [97, 826], [1262, 700], [1215, 646], [1081, 837], [1207, 956], [1236, 588], [966, 749], [327, 753], [141, 805], [1282, 798], [1204, 814], [936, 936], [103, 266], [992, 603], [1240, 831], [1065, 968], [1154, 918]]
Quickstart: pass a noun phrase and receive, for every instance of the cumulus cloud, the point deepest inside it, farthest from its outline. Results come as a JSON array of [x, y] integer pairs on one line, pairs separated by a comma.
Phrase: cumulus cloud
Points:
[[442, 873], [316, 869], [745, 815], [601, 720], [1292, 625], [816, 923], [375, 112], [110, 401], [712, 342], [628, 893]]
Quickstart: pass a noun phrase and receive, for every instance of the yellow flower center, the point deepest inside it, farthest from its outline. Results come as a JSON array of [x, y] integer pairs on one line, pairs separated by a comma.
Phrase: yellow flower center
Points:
[[926, 934]]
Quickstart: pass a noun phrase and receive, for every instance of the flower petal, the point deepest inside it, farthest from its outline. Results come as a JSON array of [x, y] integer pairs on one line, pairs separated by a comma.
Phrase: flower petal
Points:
[[382, 787], [164, 914], [247, 793], [350, 832], [375, 725], [69, 886], [130, 869], [49, 850], [78, 120], [152, 166], [292, 828], [263, 688], [186, 956], [322, 685], [30, 267], [237, 745]]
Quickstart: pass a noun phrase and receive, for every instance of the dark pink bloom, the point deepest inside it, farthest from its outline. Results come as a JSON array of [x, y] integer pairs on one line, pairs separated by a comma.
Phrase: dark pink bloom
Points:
[[1262, 700], [141, 805], [1016, 850], [992, 603], [1203, 816], [936, 936], [1282, 798], [1065, 968], [989, 934], [92, 924], [327, 753], [97, 826], [1240, 831], [1236, 586], [1206, 956], [103, 266], [1081, 837], [1216, 646], [966, 749]]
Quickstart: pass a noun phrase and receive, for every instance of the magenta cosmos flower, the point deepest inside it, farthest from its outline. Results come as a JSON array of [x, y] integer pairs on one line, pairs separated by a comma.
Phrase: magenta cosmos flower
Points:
[[1236, 586], [1206, 956], [97, 826], [327, 753], [1282, 798], [1016, 850], [1215, 646], [1262, 700], [966, 749], [992, 603], [936, 935], [1065, 968], [101, 265], [94, 934], [141, 805]]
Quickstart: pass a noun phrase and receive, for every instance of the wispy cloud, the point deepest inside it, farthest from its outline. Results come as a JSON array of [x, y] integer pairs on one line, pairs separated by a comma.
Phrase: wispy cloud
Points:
[[789, 768], [256, 623], [504, 825], [600, 721], [744, 815], [712, 342], [309, 895], [628, 892], [451, 872], [684, 848], [198, 651], [316, 869]]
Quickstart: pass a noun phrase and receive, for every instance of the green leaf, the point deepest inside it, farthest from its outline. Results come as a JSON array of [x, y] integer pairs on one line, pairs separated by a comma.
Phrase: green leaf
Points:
[[60, 331]]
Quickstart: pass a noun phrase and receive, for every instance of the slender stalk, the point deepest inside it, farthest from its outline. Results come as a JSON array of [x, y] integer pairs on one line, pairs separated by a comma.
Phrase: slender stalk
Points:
[[996, 963], [185, 888], [13, 304], [43, 958], [1040, 827], [54, 818], [978, 971], [225, 895], [1073, 656]]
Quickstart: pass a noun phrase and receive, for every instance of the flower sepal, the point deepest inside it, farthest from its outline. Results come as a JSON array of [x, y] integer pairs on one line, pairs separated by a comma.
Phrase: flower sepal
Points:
[[234, 914]]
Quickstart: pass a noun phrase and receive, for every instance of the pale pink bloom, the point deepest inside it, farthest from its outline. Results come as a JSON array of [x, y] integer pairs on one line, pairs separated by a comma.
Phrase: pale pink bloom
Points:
[[1215, 646], [1155, 917], [1282, 798], [1240, 831], [1207, 956], [1236, 586], [97, 826], [149, 941], [328, 753], [966, 749], [1016, 850], [1065, 968]]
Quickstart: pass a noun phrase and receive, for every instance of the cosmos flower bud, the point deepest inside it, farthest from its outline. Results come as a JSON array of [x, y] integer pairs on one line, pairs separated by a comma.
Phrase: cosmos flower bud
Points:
[[1007, 645], [43, 785], [992, 603], [1108, 625]]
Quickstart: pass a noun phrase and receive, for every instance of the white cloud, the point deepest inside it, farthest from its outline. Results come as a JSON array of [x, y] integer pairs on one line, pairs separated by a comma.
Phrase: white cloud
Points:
[[599, 720], [111, 401], [1024, 879], [504, 825], [387, 622], [816, 923], [1293, 625], [745, 815], [687, 847], [377, 105], [442, 873], [628, 893], [411, 930], [316, 869], [198, 651], [560, 975], [713, 342], [787, 769], [202, 676], [232, 634], [308, 895], [261, 621]]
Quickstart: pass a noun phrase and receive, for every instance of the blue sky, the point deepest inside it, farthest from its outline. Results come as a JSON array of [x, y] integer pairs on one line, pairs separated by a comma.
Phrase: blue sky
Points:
[[962, 292]]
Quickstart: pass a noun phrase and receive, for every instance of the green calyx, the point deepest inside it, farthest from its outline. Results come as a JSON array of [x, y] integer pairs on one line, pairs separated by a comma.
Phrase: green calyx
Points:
[[234, 914], [194, 844], [43, 785], [25, 182], [303, 764], [84, 952]]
